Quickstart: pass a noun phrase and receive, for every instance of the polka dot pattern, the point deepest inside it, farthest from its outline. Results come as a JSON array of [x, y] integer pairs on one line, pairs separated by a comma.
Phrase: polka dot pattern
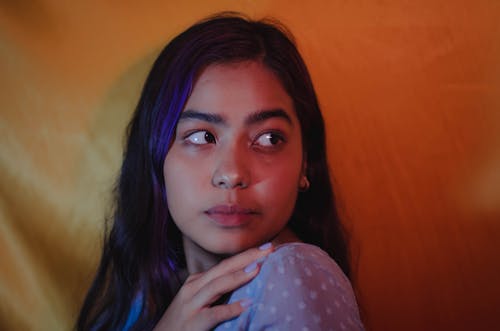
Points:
[[299, 287]]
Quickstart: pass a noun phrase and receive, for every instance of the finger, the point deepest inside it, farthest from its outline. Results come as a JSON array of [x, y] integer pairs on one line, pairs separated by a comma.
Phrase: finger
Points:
[[233, 263], [210, 317], [224, 284], [193, 277]]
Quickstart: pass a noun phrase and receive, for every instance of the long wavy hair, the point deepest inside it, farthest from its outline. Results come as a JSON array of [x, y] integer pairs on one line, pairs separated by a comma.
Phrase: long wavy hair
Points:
[[143, 252]]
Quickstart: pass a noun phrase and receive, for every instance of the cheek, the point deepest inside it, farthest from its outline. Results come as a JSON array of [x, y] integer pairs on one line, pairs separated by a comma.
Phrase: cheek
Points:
[[280, 179], [279, 190], [182, 185], [184, 173]]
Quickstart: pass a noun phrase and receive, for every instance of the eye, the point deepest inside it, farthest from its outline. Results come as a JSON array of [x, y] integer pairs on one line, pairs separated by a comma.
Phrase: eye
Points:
[[201, 137], [269, 139]]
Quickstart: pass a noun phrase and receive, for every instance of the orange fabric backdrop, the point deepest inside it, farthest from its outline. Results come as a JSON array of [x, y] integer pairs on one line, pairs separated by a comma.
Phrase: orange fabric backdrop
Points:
[[410, 91]]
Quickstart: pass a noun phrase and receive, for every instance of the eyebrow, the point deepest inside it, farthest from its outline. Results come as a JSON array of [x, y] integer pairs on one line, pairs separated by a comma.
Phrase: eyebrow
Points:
[[254, 118], [198, 115], [263, 115]]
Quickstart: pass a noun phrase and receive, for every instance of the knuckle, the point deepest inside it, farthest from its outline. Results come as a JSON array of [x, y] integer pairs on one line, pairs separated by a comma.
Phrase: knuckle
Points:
[[186, 292], [224, 264], [238, 277], [214, 287], [192, 277], [207, 316], [255, 253], [234, 309], [216, 314], [186, 288], [242, 258], [227, 282]]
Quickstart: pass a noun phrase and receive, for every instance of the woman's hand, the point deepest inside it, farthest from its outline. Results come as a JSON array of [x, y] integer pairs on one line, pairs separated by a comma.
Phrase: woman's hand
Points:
[[191, 308]]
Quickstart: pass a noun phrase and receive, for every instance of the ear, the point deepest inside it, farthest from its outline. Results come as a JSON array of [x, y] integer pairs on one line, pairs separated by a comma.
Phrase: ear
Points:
[[303, 180], [303, 171]]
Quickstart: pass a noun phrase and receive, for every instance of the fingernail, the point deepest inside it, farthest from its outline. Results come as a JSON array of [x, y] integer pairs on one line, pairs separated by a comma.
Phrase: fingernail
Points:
[[245, 303], [261, 260], [251, 267], [265, 246]]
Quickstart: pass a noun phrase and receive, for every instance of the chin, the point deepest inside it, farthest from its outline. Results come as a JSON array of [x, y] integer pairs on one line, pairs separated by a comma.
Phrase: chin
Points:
[[229, 247]]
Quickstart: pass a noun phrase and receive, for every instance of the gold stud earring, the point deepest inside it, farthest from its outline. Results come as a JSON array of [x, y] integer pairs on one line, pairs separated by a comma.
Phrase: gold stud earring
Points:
[[304, 184]]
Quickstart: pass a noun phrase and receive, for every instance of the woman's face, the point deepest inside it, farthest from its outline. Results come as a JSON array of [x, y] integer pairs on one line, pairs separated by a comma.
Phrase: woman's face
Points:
[[233, 170]]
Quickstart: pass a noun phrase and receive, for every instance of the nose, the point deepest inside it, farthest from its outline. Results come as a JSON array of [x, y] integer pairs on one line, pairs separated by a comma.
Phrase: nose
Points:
[[232, 171]]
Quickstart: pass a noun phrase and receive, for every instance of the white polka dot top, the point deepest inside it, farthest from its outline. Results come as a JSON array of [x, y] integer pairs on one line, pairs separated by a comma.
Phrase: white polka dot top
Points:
[[299, 288]]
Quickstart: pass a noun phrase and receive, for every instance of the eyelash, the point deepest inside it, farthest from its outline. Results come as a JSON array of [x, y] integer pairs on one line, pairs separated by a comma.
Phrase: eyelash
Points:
[[190, 134], [273, 134]]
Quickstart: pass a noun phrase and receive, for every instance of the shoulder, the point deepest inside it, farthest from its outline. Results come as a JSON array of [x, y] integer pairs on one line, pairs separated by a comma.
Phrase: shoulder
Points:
[[307, 274], [298, 285], [303, 260]]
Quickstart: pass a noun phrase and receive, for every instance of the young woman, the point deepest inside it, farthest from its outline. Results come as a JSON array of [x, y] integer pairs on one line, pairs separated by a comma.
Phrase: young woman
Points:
[[225, 215]]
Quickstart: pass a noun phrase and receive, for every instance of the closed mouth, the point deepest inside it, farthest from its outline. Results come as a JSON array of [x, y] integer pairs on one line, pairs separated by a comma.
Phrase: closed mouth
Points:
[[230, 210], [231, 216]]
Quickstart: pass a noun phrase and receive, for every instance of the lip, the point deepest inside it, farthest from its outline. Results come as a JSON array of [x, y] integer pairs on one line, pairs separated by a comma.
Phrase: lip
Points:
[[231, 215]]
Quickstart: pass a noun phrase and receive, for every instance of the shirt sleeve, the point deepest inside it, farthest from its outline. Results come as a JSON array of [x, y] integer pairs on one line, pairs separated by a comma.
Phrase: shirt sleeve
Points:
[[299, 287]]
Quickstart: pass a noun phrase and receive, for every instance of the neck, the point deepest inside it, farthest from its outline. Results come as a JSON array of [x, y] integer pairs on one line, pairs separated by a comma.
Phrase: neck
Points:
[[285, 236], [200, 260], [197, 258]]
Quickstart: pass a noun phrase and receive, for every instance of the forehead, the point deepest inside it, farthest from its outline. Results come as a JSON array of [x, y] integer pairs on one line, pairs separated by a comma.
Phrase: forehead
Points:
[[239, 87]]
